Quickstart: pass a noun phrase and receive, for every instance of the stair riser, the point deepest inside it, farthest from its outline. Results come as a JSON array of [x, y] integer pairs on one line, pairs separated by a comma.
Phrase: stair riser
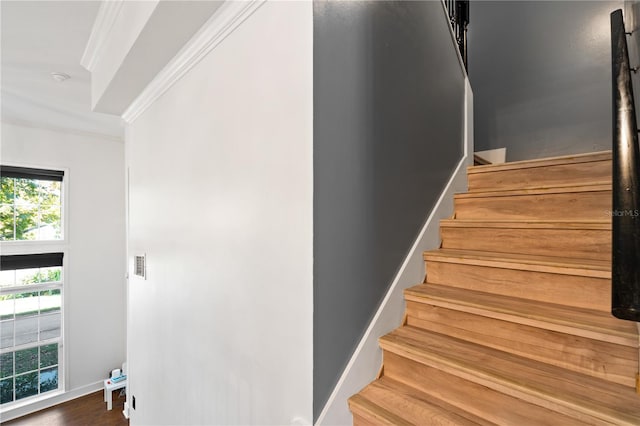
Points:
[[368, 413], [578, 243], [361, 420], [600, 326], [591, 205], [608, 361], [387, 403], [536, 177], [513, 325], [578, 291], [487, 403]]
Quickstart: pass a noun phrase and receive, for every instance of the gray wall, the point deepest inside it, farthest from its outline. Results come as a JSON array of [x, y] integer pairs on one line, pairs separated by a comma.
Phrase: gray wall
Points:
[[541, 77], [388, 132]]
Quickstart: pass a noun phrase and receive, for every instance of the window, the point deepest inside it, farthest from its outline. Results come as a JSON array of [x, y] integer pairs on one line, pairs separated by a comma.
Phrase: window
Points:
[[30, 204], [31, 282], [30, 325]]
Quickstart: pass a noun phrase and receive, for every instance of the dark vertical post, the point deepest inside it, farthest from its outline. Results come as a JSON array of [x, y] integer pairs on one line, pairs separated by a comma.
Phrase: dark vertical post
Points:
[[458, 11], [463, 21], [625, 268]]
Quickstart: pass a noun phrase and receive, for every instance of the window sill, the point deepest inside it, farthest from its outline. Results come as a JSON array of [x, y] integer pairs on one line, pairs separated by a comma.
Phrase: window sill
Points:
[[31, 400]]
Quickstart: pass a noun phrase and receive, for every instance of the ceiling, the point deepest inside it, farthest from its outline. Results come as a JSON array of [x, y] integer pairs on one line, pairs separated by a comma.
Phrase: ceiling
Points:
[[41, 37]]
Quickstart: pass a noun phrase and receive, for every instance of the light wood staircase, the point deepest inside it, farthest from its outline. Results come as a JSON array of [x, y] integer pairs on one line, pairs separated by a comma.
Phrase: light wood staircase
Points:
[[512, 326]]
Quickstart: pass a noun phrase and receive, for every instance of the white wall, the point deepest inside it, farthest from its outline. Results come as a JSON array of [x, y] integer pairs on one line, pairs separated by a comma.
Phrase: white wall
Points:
[[220, 198], [94, 287]]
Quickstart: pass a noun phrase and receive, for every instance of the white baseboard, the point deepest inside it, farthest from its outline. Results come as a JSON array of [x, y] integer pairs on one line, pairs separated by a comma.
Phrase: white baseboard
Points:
[[367, 358], [23, 410]]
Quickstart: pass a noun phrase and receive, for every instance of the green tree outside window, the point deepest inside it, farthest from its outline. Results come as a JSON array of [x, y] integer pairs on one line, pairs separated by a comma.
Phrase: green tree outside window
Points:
[[28, 208]]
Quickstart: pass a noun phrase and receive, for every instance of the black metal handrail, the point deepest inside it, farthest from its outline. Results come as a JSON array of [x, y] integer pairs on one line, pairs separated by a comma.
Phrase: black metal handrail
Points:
[[625, 221], [459, 17]]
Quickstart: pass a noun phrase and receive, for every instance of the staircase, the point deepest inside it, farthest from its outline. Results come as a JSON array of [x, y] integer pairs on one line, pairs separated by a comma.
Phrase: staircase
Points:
[[512, 326]]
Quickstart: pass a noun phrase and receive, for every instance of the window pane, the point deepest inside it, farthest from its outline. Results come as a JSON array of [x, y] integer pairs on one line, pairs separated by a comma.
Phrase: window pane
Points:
[[6, 190], [6, 365], [50, 210], [38, 275], [50, 326], [7, 278], [48, 355], [6, 222], [27, 222], [6, 334], [27, 191], [51, 274], [50, 301], [6, 307], [6, 390], [28, 375], [26, 360], [26, 385], [26, 276], [26, 304], [50, 228], [30, 209], [26, 330], [50, 192], [49, 379]]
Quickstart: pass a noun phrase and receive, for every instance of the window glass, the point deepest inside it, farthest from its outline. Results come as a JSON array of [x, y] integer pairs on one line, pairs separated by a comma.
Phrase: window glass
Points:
[[30, 209], [31, 283], [48, 355], [30, 326], [48, 379], [28, 372], [26, 385]]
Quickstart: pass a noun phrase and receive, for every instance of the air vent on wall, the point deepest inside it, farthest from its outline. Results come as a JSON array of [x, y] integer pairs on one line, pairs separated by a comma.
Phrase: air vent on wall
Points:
[[140, 267]]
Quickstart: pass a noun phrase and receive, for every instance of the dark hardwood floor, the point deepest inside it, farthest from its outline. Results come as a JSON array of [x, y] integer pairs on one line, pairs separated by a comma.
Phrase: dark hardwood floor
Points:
[[87, 410]]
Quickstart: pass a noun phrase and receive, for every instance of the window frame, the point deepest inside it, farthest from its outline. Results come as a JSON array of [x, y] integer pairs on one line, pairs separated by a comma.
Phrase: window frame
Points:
[[15, 348], [28, 247], [6, 244]]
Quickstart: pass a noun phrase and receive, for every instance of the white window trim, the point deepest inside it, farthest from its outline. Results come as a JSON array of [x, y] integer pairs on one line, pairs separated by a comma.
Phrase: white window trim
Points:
[[19, 247], [60, 340], [8, 248]]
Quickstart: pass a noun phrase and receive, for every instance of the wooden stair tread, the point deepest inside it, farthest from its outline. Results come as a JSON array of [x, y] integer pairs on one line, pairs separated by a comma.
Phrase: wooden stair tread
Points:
[[528, 262], [542, 162], [565, 319], [527, 224], [486, 403], [387, 401], [597, 186], [523, 336], [551, 387]]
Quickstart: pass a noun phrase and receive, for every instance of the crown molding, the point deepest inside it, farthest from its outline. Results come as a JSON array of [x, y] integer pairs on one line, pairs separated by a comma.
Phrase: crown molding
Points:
[[223, 22], [107, 15], [59, 129]]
